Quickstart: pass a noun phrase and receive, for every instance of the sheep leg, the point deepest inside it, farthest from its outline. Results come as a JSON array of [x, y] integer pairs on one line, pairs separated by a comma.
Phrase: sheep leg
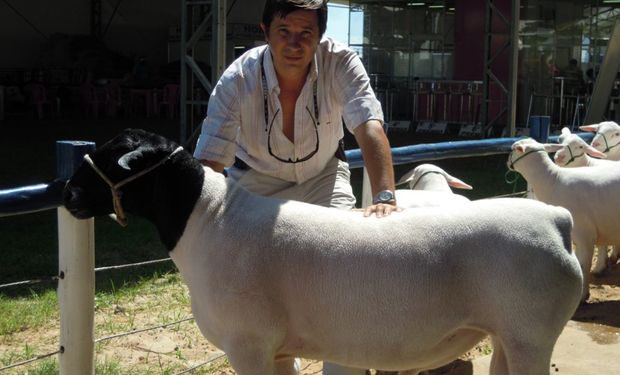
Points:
[[527, 357], [583, 251], [601, 259], [614, 255], [288, 366], [499, 363], [250, 360]]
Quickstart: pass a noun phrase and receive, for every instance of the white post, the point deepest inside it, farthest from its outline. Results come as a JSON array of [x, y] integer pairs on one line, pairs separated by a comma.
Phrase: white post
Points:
[[76, 293], [76, 271]]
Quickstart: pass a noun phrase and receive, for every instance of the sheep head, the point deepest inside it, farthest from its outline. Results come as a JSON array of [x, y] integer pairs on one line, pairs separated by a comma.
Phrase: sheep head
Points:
[[526, 146], [413, 177], [607, 135], [574, 148], [88, 194]]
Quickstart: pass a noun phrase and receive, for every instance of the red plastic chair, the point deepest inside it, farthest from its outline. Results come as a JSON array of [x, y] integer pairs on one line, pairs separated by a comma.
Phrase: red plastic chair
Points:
[[113, 99], [170, 99], [90, 99], [39, 99]]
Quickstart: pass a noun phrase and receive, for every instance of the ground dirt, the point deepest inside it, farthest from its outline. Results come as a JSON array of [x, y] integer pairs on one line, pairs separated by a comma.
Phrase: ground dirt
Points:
[[181, 345]]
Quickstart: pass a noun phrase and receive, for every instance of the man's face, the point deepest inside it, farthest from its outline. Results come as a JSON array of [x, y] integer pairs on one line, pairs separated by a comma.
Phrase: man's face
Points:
[[293, 40]]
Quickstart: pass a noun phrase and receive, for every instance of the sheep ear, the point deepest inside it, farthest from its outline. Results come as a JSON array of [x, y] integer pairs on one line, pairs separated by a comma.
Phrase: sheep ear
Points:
[[550, 147], [406, 177], [589, 128], [595, 153], [456, 183], [126, 160]]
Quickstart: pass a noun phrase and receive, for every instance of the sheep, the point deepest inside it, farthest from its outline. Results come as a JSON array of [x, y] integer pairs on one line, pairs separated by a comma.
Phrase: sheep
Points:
[[271, 280], [429, 186], [606, 139], [574, 153], [590, 194]]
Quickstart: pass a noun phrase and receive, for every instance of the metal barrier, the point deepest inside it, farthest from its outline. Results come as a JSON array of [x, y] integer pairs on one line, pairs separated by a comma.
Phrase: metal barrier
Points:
[[76, 281]]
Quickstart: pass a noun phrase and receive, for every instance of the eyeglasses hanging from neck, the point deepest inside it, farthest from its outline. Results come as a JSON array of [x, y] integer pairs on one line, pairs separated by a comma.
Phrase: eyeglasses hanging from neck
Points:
[[315, 119]]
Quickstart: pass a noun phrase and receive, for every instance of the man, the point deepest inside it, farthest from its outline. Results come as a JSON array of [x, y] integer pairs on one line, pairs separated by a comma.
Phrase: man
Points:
[[276, 114]]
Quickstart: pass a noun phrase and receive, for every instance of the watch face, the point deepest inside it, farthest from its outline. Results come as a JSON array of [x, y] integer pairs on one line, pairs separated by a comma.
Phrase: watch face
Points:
[[385, 196]]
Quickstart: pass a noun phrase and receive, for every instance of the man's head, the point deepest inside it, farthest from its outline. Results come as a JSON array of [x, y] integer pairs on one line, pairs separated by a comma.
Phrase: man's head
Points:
[[281, 8], [293, 29]]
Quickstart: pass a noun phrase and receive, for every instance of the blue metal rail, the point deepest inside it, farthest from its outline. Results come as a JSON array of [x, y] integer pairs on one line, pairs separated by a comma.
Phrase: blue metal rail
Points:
[[49, 196]]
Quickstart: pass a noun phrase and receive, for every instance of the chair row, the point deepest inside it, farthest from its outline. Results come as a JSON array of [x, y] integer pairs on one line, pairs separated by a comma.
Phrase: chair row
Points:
[[110, 100]]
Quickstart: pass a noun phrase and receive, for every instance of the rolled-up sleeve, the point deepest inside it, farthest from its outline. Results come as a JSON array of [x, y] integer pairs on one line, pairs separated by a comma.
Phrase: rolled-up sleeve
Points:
[[359, 101], [218, 137]]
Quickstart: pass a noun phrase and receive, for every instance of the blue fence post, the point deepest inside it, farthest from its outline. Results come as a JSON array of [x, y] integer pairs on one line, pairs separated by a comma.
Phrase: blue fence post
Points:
[[76, 273], [69, 155], [539, 128]]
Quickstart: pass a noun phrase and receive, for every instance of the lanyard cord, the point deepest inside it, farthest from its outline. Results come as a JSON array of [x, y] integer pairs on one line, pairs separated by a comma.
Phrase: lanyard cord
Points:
[[266, 94]]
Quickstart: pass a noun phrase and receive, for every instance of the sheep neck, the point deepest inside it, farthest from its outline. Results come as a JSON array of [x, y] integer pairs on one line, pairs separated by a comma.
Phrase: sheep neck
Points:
[[540, 172]]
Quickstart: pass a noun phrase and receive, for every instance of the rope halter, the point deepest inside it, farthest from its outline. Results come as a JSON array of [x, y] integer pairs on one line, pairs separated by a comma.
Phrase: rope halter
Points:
[[572, 157], [513, 162], [607, 147], [422, 175], [119, 213]]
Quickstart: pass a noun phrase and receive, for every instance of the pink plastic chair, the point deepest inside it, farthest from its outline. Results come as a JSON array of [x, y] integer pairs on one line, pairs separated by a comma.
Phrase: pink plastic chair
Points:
[[170, 99]]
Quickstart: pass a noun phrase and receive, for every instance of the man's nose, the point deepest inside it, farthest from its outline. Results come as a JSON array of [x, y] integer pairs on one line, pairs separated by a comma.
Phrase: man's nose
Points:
[[293, 40]]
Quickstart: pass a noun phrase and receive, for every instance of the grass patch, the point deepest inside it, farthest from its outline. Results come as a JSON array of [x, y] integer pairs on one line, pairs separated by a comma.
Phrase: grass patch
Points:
[[23, 313]]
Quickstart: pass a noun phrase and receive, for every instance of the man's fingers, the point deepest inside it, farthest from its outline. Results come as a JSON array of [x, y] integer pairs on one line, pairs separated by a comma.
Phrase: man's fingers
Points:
[[380, 210]]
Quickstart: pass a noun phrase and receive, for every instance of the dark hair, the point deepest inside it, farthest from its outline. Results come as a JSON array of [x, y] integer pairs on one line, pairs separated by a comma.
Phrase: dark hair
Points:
[[282, 8]]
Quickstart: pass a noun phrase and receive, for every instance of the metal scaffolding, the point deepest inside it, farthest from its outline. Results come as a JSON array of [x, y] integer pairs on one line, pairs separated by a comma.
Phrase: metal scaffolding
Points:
[[199, 18], [508, 88]]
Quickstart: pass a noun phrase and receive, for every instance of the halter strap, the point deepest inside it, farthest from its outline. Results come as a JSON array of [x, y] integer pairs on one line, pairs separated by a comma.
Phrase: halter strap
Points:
[[119, 213], [513, 162], [607, 147], [424, 174], [572, 157]]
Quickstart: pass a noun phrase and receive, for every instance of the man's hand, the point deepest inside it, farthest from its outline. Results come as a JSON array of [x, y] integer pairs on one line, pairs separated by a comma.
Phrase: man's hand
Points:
[[381, 209]]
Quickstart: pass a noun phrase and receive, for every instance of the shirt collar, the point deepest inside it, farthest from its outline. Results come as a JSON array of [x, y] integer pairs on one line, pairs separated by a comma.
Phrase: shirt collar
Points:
[[270, 71]]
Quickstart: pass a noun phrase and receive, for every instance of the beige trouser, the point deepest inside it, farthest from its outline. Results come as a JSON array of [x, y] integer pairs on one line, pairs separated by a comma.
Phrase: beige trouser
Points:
[[331, 188]]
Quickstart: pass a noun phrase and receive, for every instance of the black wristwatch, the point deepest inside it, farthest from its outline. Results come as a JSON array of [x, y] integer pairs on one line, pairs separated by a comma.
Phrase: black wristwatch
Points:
[[384, 196]]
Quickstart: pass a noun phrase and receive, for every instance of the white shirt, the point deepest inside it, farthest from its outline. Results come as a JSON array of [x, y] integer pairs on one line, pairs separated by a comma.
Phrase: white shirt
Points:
[[235, 122]]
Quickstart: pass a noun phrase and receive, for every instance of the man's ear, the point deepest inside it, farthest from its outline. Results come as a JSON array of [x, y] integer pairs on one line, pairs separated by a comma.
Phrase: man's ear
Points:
[[265, 31]]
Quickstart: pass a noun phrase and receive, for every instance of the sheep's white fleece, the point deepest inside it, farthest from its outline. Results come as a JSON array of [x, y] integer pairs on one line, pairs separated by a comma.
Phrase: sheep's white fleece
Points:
[[272, 279], [590, 194], [575, 154]]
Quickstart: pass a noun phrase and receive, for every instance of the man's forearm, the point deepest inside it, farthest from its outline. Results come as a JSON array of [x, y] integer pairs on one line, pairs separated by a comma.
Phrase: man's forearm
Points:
[[377, 155]]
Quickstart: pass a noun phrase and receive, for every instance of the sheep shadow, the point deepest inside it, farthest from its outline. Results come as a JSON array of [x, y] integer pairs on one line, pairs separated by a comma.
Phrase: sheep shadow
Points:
[[602, 312], [604, 302]]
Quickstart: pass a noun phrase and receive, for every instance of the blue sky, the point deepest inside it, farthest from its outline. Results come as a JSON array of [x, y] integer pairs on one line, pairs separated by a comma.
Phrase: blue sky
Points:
[[338, 23]]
